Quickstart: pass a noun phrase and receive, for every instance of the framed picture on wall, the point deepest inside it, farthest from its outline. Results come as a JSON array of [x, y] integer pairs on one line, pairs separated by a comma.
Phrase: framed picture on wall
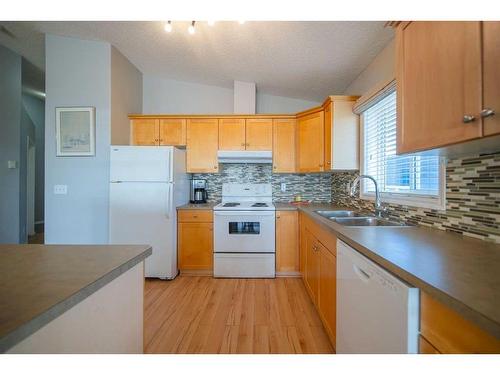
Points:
[[75, 131]]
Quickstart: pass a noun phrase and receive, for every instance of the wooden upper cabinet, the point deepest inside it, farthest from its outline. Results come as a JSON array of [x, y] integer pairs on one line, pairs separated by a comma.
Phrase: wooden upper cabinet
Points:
[[202, 139], [231, 134], [310, 142], [259, 134], [145, 132], [172, 132], [284, 145], [287, 242], [491, 77], [438, 77]]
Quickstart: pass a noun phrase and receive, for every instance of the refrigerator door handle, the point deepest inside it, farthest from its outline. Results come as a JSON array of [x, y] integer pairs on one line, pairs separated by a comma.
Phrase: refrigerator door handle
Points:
[[170, 165], [169, 201]]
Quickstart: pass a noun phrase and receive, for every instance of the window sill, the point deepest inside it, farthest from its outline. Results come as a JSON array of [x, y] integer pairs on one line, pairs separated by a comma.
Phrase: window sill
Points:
[[438, 203]]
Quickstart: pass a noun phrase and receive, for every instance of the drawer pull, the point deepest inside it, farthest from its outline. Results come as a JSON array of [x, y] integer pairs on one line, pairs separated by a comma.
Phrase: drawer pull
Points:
[[468, 119]]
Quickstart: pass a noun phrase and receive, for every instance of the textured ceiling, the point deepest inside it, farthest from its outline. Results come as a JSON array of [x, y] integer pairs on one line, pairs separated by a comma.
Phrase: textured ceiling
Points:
[[307, 60]]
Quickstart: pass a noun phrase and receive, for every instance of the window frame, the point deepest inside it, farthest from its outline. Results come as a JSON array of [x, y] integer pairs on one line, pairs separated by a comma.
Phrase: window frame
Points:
[[416, 200]]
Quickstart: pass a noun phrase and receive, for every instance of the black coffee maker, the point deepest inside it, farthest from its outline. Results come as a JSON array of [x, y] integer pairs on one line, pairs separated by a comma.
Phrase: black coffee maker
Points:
[[198, 191]]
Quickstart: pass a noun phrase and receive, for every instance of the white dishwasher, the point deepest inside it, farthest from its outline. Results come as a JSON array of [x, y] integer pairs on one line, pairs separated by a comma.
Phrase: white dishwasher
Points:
[[376, 312]]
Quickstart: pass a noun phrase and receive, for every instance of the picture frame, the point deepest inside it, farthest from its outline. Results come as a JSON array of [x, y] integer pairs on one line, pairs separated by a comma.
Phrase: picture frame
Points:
[[75, 131]]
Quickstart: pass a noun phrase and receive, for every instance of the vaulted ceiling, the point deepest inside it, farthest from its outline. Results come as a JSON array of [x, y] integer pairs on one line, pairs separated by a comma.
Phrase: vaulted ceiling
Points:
[[307, 60]]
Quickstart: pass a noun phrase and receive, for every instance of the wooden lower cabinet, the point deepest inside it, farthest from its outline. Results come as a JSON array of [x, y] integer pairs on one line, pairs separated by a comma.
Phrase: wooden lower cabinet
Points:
[[195, 241], [287, 243], [450, 333], [319, 271], [327, 299], [311, 274]]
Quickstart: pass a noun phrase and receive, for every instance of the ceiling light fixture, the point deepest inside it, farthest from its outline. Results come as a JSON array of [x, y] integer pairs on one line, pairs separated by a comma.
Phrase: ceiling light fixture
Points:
[[211, 23], [168, 26], [191, 29]]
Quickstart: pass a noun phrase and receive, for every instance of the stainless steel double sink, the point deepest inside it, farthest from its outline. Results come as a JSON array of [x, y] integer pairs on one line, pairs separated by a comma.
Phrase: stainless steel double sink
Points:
[[358, 219]]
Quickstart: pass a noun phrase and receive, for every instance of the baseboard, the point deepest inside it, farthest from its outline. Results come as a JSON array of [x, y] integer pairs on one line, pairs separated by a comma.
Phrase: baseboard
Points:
[[196, 272], [289, 274]]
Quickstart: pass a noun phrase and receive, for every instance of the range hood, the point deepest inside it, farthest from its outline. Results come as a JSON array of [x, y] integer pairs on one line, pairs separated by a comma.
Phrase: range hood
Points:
[[254, 157]]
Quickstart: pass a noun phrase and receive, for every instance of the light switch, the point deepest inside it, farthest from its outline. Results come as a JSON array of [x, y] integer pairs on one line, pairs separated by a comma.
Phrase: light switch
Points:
[[60, 189], [283, 186], [12, 164]]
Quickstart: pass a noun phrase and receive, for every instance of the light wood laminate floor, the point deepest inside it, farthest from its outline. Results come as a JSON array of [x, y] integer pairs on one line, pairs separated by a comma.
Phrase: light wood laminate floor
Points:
[[205, 315]]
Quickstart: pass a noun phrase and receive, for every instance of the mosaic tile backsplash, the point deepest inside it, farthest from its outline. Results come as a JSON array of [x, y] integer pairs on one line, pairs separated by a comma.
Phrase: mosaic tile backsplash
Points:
[[472, 199], [472, 193], [314, 187]]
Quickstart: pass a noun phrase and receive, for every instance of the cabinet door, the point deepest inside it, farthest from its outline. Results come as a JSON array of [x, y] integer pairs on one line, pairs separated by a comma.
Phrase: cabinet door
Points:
[[172, 132], [283, 145], [287, 241], [202, 140], [438, 83], [310, 143], [312, 266], [231, 134], [145, 132], [328, 123], [259, 134], [491, 76], [195, 244], [327, 299]]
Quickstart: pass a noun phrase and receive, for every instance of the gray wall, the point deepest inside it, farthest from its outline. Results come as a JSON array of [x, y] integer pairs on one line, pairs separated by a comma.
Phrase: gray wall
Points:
[[280, 104], [126, 96], [381, 69], [78, 73], [35, 109], [171, 96], [10, 133]]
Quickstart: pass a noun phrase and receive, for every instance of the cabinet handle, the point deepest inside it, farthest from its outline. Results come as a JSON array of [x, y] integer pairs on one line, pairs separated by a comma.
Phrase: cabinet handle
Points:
[[195, 216], [215, 167], [274, 167], [487, 112], [468, 118]]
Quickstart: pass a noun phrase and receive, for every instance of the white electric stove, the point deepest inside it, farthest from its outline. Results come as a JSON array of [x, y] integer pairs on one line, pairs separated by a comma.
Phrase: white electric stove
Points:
[[244, 232]]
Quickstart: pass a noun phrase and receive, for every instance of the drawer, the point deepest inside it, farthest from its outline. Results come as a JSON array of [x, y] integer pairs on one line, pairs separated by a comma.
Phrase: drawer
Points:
[[450, 333], [195, 216]]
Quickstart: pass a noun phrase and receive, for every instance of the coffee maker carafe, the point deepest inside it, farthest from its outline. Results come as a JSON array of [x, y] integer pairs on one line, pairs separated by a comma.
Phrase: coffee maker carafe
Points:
[[198, 191]]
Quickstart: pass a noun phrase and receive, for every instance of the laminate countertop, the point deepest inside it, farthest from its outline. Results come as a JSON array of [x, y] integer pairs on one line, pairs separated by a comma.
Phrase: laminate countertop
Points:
[[460, 272], [198, 206], [38, 283]]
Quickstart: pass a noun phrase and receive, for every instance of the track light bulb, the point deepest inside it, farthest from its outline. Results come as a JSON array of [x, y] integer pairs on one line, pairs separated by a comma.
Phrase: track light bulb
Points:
[[191, 29], [168, 26], [211, 23]]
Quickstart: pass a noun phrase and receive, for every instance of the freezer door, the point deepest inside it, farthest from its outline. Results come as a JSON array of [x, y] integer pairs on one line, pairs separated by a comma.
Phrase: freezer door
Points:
[[143, 213], [141, 163]]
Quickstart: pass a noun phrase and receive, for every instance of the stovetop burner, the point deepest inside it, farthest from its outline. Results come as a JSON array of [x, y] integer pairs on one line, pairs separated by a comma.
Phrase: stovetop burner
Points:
[[259, 204], [231, 204]]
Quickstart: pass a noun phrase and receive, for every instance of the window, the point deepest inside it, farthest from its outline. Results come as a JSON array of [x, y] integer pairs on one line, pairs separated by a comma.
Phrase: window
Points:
[[407, 179]]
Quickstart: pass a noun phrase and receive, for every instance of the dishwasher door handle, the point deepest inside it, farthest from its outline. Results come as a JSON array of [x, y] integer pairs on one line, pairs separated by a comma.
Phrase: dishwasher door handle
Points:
[[363, 275]]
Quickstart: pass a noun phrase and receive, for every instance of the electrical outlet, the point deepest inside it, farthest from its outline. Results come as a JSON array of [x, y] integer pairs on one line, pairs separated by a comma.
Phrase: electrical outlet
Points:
[[60, 189], [283, 187]]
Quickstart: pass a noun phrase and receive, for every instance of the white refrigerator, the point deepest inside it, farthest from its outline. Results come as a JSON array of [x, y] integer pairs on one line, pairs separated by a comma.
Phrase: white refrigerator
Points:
[[147, 183]]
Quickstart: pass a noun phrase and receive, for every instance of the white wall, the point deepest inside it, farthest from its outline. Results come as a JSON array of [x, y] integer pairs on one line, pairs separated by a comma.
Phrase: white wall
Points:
[[126, 96], [10, 136], [280, 104], [78, 73], [381, 69], [169, 96], [162, 95]]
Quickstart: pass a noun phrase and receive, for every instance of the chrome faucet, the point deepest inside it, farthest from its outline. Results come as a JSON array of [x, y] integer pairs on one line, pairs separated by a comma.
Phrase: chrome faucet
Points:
[[379, 209]]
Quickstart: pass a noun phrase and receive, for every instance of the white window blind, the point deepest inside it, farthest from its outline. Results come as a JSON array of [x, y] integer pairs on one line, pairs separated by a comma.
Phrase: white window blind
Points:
[[409, 175]]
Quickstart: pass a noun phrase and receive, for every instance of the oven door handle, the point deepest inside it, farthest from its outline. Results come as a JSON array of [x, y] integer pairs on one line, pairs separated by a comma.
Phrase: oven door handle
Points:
[[245, 213]]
